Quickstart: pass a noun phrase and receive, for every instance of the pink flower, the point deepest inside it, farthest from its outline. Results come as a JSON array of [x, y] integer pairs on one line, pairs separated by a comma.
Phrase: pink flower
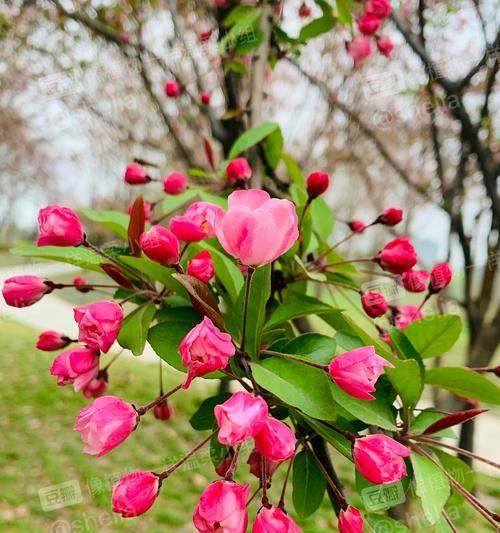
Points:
[[415, 280], [59, 226], [135, 493], [357, 371], [238, 169], [440, 277], [136, 175], [368, 24], [255, 463], [240, 418], [99, 324], [22, 291], [304, 10], [49, 341], [385, 46], [78, 366], [379, 458], [105, 423], [257, 229], [160, 245], [163, 411], [96, 388], [197, 223], [379, 8], [276, 441], [359, 49], [317, 183], [147, 210], [405, 315], [201, 266], [172, 89], [222, 508], [350, 521], [391, 216], [80, 284], [357, 226], [205, 98], [175, 183], [205, 35], [205, 349], [374, 304], [398, 256], [274, 520]]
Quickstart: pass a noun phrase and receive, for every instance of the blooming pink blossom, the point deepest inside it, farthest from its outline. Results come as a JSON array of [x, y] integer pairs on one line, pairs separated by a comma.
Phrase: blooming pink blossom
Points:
[[374, 304], [415, 280], [350, 521], [379, 8], [440, 277], [22, 291], [105, 423], [405, 315], [49, 341], [398, 256], [257, 229], [172, 89], [274, 520], [317, 183], [96, 388], [160, 245], [201, 266], [391, 216], [78, 366], [357, 371], [222, 508], [205, 349], [99, 324], [238, 169], [379, 458], [255, 463], [136, 175], [357, 225], [175, 183], [59, 226], [359, 49], [135, 493], [197, 223], [146, 207], [368, 24], [163, 411], [276, 441], [385, 46], [240, 418]]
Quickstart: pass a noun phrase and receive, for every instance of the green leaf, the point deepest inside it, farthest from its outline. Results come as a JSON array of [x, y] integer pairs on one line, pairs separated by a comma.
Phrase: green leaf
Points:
[[273, 147], [173, 202], [338, 441], [113, 220], [461, 472], [78, 256], [299, 305], [294, 170], [204, 417], [299, 385], [434, 335], [320, 25], [252, 137], [308, 484], [134, 330], [322, 219], [425, 419], [312, 346], [377, 497], [241, 26], [406, 379], [432, 486], [344, 12], [155, 272], [385, 524], [217, 450], [464, 382], [374, 412]]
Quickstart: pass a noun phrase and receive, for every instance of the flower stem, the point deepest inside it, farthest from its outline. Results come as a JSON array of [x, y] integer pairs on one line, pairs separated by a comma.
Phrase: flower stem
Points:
[[301, 221], [281, 503], [234, 463], [345, 262], [142, 410], [248, 283], [115, 357], [295, 358]]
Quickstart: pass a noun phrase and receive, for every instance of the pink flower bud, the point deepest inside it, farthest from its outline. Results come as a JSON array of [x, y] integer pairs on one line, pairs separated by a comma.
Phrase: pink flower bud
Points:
[[257, 229], [374, 304], [255, 462], [359, 49], [105, 423], [391, 216], [205, 98], [78, 366], [205, 36], [379, 8], [22, 291], [276, 441], [274, 520], [405, 315], [357, 226], [222, 508], [385, 46], [398, 256], [147, 210], [49, 341], [163, 411], [96, 388], [205, 349], [357, 371], [350, 521], [136, 175], [135, 493], [440, 277], [368, 24], [197, 223], [379, 458], [99, 324], [172, 89], [59, 226], [304, 10], [317, 183], [415, 280], [175, 183], [201, 266], [80, 283], [160, 245], [240, 418], [238, 169]]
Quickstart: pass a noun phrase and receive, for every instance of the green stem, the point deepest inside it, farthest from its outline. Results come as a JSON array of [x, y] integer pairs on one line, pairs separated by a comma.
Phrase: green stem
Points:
[[248, 283], [295, 358]]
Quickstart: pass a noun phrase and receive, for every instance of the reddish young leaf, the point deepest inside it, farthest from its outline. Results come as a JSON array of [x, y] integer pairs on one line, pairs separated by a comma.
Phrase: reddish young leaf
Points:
[[116, 274], [452, 420], [136, 226], [209, 153]]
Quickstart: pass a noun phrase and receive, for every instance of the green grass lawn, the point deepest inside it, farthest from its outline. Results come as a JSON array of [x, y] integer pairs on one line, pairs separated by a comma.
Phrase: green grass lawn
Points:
[[38, 449]]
